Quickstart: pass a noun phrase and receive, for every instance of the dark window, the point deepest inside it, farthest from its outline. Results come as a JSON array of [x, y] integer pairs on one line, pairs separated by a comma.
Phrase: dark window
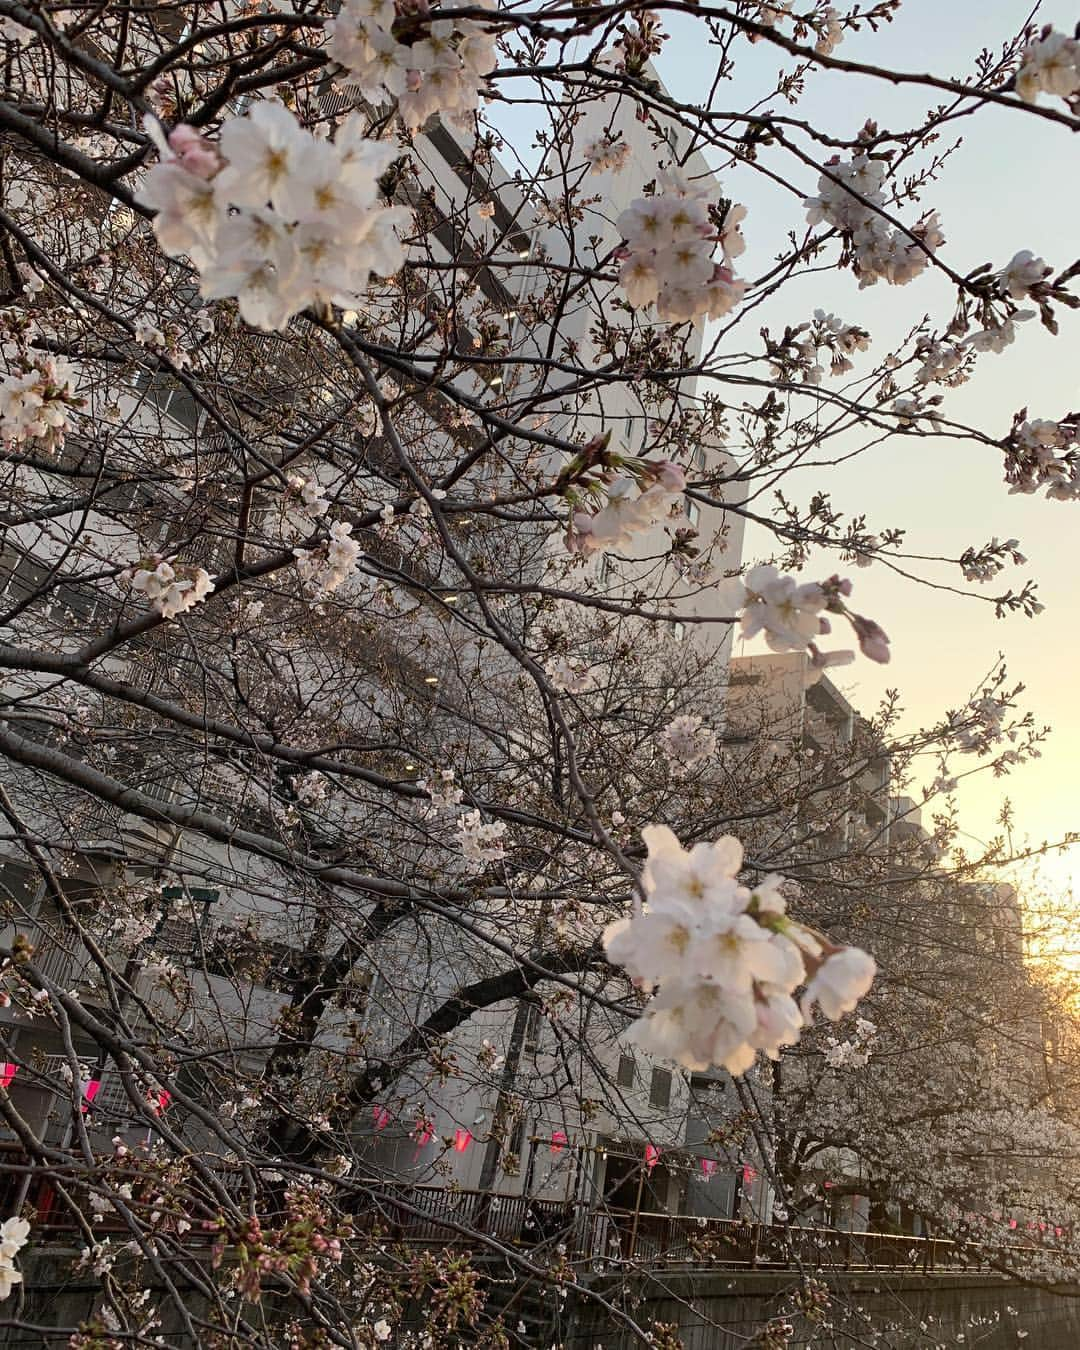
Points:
[[627, 1067], [660, 1088], [532, 1029]]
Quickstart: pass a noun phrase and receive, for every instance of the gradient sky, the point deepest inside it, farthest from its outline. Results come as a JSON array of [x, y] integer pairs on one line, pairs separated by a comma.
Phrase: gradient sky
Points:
[[1012, 184]]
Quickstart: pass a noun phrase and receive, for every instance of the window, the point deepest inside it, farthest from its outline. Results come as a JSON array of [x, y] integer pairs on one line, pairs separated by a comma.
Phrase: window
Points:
[[693, 512], [184, 927], [18, 882], [660, 1088], [532, 1029], [679, 631], [627, 1071]]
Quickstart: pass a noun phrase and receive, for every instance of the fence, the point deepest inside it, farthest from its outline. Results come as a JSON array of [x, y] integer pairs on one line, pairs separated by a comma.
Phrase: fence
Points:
[[443, 1217]]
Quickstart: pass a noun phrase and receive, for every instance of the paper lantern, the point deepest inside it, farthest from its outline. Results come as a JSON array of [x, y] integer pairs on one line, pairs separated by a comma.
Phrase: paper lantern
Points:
[[748, 1175], [381, 1117], [91, 1088], [7, 1073], [652, 1156], [462, 1140], [160, 1100], [708, 1166], [558, 1141]]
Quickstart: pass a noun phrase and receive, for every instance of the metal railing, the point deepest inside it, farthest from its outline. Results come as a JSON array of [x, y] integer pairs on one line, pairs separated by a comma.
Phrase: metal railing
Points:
[[436, 1215], [444, 1217]]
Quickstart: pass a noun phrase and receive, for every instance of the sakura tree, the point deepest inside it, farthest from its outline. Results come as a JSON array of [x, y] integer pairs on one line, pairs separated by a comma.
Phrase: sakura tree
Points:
[[373, 544]]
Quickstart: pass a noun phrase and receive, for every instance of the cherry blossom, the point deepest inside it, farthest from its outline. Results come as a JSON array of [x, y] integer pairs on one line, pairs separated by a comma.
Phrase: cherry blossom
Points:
[[787, 613], [722, 960], [14, 1234], [606, 153], [1020, 277], [668, 253], [440, 71], [274, 217], [36, 400], [480, 841], [1050, 65], [171, 589], [848, 195], [445, 796], [687, 742], [326, 568]]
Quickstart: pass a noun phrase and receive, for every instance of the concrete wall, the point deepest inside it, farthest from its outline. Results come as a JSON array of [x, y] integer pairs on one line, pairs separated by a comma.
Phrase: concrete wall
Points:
[[720, 1311]]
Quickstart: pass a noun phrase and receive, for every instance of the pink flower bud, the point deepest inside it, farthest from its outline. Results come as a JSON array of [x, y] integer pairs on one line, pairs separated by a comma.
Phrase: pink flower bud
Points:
[[668, 475], [873, 641], [194, 152]]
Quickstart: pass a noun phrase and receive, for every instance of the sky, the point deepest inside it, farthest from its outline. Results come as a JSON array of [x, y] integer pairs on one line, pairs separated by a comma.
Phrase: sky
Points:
[[1012, 184]]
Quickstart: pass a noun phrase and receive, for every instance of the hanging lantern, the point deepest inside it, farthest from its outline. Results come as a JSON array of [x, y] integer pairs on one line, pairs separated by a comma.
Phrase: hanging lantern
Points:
[[558, 1141], [423, 1134], [381, 1117], [159, 1101], [7, 1073], [462, 1140], [709, 1166], [652, 1156], [90, 1088], [748, 1175]]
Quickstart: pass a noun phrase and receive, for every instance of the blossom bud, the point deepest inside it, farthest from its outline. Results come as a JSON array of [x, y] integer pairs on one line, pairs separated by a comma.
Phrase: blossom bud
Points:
[[667, 474], [194, 152], [873, 640]]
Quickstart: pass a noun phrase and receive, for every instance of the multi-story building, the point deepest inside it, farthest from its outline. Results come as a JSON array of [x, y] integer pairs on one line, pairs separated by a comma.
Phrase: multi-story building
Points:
[[228, 921]]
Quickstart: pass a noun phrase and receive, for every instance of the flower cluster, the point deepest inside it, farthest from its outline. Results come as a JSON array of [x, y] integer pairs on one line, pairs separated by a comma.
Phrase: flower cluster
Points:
[[309, 495], [1050, 65], [444, 795], [428, 65], [633, 505], [13, 1238], [790, 617], [854, 1053], [311, 788], [982, 724], [687, 742], [667, 256], [847, 197], [274, 216], [480, 841], [1042, 453], [787, 613], [1024, 275], [171, 588], [606, 152], [725, 959], [570, 677], [36, 400], [324, 569], [985, 563]]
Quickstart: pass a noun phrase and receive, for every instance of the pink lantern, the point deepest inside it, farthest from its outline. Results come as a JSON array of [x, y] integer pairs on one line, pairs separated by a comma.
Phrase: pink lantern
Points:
[[7, 1073], [708, 1166], [652, 1156], [423, 1135], [159, 1101], [91, 1088], [748, 1175], [462, 1140], [381, 1117], [1012, 1223], [558, 1141]]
